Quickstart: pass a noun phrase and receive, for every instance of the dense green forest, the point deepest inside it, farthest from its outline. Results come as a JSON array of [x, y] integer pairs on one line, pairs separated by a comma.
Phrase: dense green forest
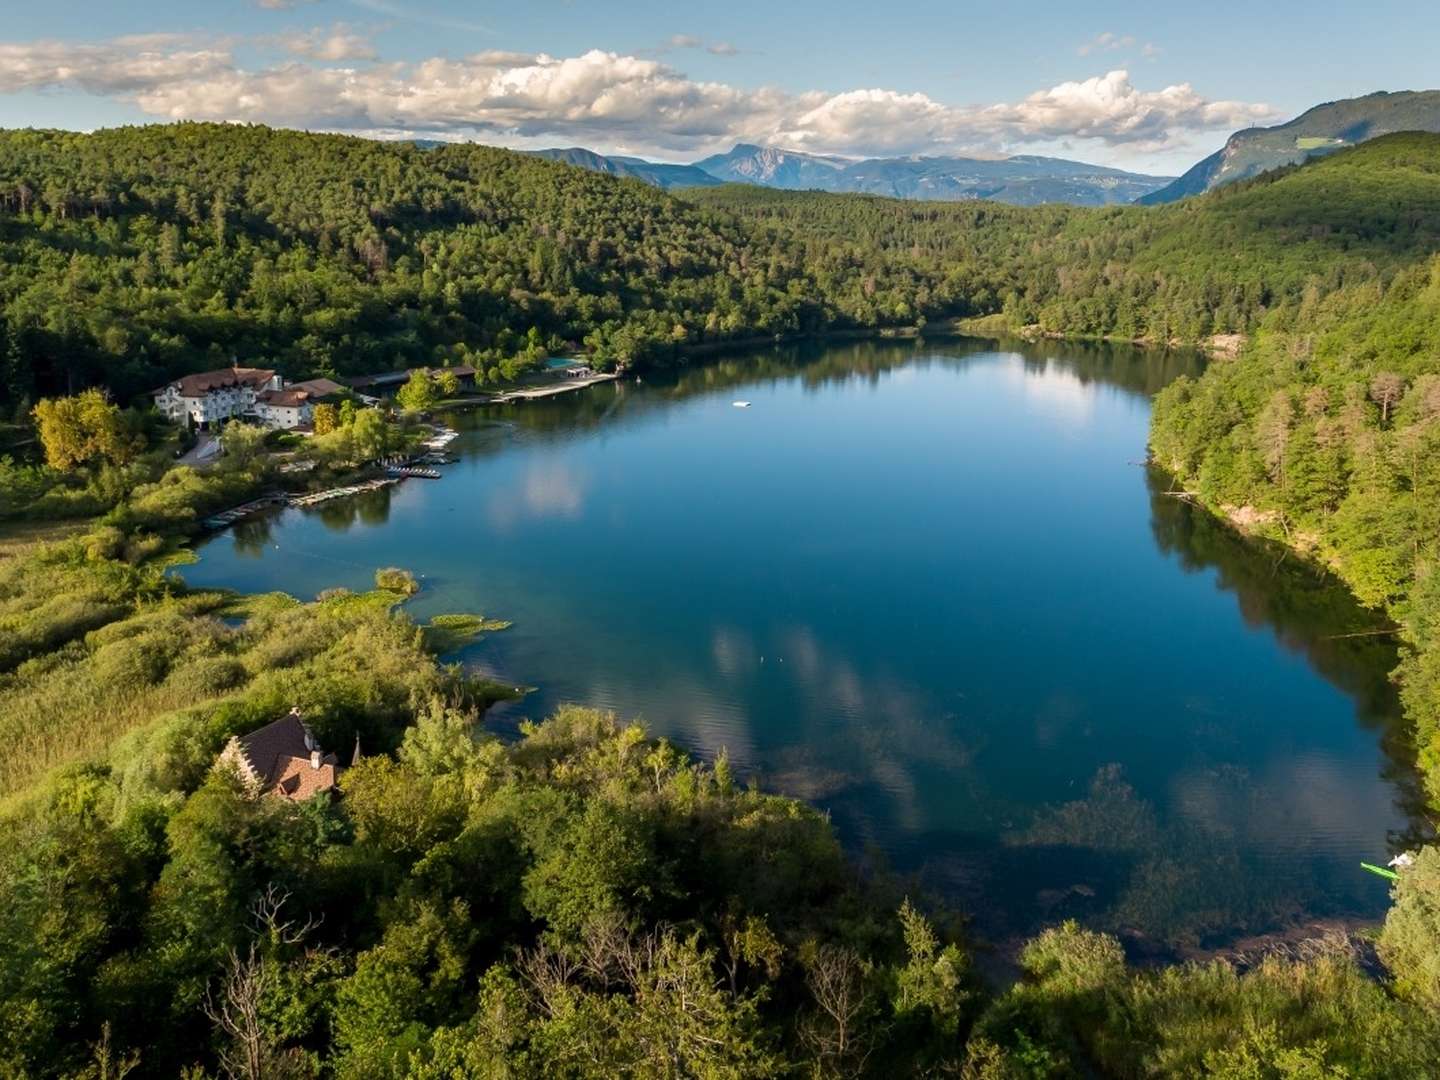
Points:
[[1214, 265], [134, 254], [1325, 433], [586, 902]]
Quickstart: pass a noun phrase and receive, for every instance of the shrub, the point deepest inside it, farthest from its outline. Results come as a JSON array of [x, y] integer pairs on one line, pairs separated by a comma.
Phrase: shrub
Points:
[[393, 579], [208, 677], [1410, 942]]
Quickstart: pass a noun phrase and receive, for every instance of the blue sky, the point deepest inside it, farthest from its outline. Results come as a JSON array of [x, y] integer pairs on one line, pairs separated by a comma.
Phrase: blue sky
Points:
[[1145, 86]]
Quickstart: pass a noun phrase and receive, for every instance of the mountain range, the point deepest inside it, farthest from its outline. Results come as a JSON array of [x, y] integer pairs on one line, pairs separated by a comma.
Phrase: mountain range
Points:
[[1024, 180], [1321, 130], [1028, 180]]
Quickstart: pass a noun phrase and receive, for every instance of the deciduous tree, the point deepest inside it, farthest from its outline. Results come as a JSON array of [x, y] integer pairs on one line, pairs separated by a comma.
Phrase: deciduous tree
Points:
[[418, 394]]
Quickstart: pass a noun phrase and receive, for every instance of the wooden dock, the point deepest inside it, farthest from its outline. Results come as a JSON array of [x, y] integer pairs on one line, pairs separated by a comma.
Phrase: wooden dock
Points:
[[235, 513], [413, 471], [315, 497], [393, 475], [551, 389]]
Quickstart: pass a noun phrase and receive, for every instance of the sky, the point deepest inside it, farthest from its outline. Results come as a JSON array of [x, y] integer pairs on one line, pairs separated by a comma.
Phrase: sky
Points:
[[1144, 86]]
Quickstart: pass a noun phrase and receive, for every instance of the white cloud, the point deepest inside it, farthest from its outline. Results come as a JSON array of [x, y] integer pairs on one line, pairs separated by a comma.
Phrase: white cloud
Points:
[[600, 98], [502, 58], [338, 43], [121, 66], [1106, 42], [691, 41], [883, 121], [1111, 109]]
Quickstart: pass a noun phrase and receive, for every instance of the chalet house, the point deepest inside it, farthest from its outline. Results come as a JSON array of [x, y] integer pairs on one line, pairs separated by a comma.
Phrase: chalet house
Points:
[[209, 397], [283, 760]]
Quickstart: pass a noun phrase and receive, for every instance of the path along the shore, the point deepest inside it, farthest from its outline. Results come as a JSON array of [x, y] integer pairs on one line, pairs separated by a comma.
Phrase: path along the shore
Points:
[[553, 389]]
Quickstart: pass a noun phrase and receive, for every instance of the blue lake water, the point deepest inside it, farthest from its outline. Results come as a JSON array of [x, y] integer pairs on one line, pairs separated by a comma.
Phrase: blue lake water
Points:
[[931, 588]]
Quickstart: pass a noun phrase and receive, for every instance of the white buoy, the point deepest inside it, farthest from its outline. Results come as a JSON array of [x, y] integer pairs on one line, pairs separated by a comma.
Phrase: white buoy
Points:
[[741, 404]]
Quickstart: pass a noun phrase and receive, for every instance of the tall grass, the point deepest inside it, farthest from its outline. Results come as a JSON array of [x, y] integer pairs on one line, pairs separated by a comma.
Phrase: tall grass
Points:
[[92, 650]]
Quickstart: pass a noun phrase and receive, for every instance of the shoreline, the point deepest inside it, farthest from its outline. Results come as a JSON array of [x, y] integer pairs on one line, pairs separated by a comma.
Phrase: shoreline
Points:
[[1143, 951], [981, 326], [1216, 346]]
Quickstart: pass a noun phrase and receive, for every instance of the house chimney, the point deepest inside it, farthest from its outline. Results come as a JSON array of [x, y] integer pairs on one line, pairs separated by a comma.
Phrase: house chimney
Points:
[[315, 759]]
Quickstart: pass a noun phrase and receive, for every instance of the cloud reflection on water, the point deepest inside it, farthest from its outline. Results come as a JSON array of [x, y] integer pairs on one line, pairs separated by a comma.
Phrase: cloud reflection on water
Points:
[[1054, 390], [549, 488]]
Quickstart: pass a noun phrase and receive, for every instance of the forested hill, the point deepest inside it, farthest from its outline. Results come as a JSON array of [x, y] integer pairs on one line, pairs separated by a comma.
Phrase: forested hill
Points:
[[131, 254], [134, 254], [1215, 264]]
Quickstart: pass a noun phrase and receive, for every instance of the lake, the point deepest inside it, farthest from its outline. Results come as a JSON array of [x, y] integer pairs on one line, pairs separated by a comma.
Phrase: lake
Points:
[[931, 588]]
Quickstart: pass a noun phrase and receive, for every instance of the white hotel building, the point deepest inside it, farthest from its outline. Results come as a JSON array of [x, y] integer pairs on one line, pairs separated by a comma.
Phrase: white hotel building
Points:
[[206, 398]]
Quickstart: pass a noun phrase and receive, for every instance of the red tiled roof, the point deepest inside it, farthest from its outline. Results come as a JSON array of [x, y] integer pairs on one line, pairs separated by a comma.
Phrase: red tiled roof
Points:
[[286, 737], [278, 756], [289, 398], [317, 387], [203, 382], [299, 780]]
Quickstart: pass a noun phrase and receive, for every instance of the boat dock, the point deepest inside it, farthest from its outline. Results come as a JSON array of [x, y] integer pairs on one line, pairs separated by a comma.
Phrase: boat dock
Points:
[[396, 470], [235, 513], [339, 493], [413, 471]]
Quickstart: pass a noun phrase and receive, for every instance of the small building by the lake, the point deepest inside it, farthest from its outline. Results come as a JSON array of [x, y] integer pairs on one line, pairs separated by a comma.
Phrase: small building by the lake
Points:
[[283, 759], [570, 369]]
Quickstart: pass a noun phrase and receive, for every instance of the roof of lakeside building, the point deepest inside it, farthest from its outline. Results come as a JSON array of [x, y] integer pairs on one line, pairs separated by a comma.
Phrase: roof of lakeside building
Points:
[[389, 378], [318, 388], [203, 382], [278, 757], [299, 780], [358, 382], [289, 398]]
